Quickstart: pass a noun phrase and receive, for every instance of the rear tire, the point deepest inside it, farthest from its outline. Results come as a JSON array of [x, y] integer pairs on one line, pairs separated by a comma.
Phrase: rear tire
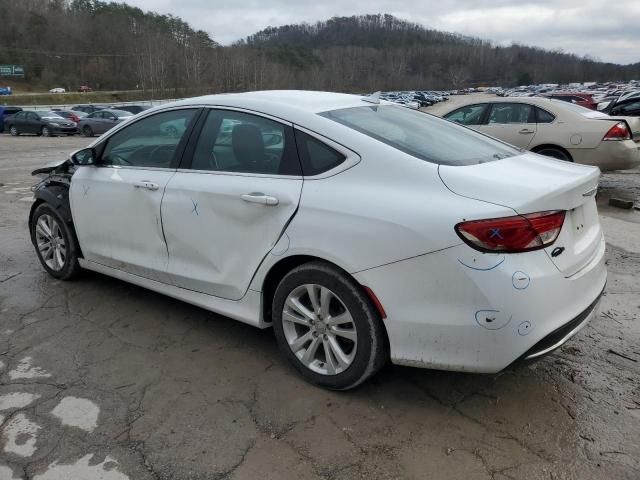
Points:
[[554, 152], [338, 356], [55, 243], [14, 131], [87, 131]]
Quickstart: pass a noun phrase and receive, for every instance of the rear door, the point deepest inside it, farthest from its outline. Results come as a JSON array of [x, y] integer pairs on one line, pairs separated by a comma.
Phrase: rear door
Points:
[[228, 207], [513, 123]]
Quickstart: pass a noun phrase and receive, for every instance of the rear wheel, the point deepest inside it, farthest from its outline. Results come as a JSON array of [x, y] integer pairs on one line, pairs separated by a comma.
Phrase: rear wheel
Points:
[[554, 152], [14, 131], [87, 131], [55, 243], [327, 327]]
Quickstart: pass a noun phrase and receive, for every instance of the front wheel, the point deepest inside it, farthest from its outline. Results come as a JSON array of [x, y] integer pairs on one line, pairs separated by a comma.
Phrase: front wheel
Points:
[[46, 132], [55, 243], [327, 327], [87, 131]]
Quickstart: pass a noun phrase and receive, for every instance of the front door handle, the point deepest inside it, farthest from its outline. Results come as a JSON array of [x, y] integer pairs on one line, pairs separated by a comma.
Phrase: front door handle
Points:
[[526, 130], [260, 198], [146, 184]]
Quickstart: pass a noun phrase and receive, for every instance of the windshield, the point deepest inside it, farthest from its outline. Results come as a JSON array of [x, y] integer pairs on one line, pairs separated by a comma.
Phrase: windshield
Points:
[[50, 115], [421, 135]]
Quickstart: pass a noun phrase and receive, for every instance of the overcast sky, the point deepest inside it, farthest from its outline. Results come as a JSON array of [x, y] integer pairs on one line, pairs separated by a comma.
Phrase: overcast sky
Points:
[[606, 30]]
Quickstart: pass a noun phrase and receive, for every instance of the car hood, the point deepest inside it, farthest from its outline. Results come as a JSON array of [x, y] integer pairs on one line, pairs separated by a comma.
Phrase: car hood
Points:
[[51, 166]]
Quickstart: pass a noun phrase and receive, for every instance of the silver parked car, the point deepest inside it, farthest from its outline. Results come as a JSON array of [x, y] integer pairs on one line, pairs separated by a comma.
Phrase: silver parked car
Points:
[[102, 121]]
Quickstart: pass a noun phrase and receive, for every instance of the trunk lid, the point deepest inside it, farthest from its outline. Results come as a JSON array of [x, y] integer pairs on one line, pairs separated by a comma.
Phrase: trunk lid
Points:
[[530, 183]]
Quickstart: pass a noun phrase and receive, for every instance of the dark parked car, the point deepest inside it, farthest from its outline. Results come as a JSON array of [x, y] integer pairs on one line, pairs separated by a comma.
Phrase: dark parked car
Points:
[[5, 114], [73, 115], [101, 121], [629, 108], [135, 109], [88, 108], [47, 124]]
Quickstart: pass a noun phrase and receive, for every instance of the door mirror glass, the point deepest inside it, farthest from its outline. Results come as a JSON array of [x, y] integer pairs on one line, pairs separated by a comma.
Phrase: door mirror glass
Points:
[[86, 156]]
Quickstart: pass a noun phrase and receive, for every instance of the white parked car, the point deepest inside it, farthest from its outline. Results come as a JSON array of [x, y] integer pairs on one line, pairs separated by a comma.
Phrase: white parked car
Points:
[[360, 231], [557, 129], [57, 90]]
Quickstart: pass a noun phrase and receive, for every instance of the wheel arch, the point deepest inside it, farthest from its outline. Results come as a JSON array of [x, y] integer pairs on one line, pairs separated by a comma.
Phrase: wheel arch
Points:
[[57, 197], [280, 268], [542, 146]]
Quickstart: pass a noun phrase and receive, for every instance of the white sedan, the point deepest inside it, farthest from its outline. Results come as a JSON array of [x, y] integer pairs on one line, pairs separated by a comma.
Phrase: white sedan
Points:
[[57, 90], [557, 129], [361, 231]]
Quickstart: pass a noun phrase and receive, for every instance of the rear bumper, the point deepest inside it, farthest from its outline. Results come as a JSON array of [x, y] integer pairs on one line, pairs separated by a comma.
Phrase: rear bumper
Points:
[[462, 310], [615, 155]]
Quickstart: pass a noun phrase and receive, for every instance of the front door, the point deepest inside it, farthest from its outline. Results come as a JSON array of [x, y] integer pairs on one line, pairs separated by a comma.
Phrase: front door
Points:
[[116, 204], [513, 123], [226, 212]]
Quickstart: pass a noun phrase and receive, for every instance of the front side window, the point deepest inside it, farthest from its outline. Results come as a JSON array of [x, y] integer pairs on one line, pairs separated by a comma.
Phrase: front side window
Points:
[[422, 135], [505, 113], [233, 141], [469, 115], [146, 142]]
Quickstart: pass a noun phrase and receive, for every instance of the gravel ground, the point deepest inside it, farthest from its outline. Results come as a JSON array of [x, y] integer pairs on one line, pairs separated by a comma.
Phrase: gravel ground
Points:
[[101, 379]]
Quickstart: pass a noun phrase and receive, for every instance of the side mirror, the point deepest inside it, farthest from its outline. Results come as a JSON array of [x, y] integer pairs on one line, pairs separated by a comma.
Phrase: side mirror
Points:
[[84, 157]]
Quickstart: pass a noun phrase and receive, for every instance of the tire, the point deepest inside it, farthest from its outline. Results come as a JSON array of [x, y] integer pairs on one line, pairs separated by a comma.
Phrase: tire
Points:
[[87, 131], [63, 262], [364, 349], [554, 152], [14, 131], [46, 132]]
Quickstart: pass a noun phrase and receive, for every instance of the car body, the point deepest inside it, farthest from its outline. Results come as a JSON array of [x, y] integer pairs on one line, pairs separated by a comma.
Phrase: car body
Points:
[[40, 122], [578, 98], [57, 90], [630, 107], [73, 115], [88, 108], [84, 89], [336, 220], [101, 121], [5, 91], [554, 128]]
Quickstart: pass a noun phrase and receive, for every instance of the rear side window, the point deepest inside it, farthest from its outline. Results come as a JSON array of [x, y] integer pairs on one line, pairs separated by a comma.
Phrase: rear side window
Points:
[[505, 113], [543, 116], [422, 135], [316, 157]]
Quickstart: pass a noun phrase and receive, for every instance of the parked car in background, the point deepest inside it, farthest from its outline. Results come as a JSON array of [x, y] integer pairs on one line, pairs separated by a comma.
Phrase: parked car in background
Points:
[[134, 109], [102, 121], [73, 115], [556, 129], [45, 123], [583, 99], [57, 90], [6, 113], [88, 108], [229, 227], [629, 107], [85, 89], [5, 91]]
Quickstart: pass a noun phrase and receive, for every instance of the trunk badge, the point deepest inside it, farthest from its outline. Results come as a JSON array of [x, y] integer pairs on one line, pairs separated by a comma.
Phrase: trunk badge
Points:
[[557, 251]]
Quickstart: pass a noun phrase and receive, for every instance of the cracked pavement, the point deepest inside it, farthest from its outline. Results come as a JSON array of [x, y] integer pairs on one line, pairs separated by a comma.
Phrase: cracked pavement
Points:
[[182, 393]]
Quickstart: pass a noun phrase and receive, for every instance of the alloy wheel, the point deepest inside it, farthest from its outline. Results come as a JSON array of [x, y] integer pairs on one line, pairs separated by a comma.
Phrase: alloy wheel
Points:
[[319, 329], [50, 242]]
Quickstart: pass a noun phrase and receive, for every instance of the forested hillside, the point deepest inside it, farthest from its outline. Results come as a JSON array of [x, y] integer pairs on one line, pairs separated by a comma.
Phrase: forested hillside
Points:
[[114, 46]]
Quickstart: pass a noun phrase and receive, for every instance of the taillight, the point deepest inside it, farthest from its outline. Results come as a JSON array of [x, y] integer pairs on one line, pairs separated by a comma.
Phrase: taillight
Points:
[[620, 131], [521, 233]]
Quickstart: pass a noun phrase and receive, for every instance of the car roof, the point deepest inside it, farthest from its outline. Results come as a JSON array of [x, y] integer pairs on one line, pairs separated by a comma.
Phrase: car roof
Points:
[[287, 104]]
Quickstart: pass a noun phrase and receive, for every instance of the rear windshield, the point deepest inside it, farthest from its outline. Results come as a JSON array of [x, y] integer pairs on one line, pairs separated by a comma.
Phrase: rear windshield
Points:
[[421, 135]]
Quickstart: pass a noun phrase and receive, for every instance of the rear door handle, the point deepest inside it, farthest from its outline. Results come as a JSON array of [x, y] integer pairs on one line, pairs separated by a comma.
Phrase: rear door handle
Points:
[[260, 198], [146, 184], [526, 130]]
